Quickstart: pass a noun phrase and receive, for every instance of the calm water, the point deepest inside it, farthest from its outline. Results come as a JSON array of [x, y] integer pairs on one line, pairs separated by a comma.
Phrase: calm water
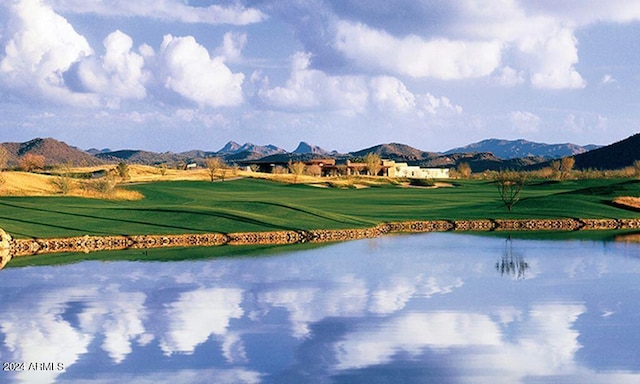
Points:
[[444, 308]]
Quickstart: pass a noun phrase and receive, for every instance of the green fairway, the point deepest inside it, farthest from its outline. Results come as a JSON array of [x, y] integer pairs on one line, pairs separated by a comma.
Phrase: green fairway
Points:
[[257, 205]]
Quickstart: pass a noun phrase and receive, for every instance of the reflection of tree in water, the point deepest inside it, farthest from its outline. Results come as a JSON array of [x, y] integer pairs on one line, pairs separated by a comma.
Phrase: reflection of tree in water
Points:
[[510, 264]]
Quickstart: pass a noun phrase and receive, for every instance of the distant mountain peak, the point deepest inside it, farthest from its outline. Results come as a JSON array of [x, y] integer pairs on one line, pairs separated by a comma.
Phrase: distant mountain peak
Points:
[[305, 147], [230, 147], [234, 151]]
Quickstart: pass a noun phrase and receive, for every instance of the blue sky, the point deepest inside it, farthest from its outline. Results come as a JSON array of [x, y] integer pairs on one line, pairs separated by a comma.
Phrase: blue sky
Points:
[[175, 75]]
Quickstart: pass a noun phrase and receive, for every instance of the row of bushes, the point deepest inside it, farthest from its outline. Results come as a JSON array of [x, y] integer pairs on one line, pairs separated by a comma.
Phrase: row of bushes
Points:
[[558, 170]]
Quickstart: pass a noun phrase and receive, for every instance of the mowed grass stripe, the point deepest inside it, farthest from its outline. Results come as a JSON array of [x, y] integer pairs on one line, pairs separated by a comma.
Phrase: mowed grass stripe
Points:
[[258, 205]]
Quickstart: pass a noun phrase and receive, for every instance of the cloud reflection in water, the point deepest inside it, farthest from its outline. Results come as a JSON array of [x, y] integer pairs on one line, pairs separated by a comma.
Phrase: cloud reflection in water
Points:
[[407, 307]]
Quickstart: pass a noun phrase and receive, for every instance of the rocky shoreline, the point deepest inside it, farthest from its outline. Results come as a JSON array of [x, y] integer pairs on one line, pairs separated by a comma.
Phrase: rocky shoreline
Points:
[[10, 248]]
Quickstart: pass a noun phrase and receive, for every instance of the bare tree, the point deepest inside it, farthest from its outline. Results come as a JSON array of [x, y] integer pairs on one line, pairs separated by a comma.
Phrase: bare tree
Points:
[[213, 164], [297, 169], [510, 184], [63, 182], [373, 163]]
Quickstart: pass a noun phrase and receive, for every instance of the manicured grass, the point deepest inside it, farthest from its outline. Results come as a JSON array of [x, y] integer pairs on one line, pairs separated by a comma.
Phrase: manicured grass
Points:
[[162, 254], [258, 205]]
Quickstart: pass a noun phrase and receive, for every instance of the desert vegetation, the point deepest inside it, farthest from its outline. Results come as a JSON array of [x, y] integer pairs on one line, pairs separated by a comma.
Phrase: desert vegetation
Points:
[[509, 185]]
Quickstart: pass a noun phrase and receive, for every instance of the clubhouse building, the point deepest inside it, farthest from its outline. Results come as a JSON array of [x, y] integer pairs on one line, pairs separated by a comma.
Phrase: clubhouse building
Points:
[[329, 167]]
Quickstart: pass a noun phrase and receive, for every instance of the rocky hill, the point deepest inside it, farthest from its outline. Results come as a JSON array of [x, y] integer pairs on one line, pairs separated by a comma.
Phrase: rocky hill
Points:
[[140, 157], [397, 152], [512, 149], [614, 156], [306, 148], [480, 162], [55, 153], [248, 149]]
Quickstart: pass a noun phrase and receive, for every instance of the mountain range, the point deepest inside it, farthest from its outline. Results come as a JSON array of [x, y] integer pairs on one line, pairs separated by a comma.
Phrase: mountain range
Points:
[[512, 149], [491, 154]]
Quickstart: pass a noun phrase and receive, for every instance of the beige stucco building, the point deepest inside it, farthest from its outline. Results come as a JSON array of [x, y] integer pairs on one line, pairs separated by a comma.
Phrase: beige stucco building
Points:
[[414, 171]]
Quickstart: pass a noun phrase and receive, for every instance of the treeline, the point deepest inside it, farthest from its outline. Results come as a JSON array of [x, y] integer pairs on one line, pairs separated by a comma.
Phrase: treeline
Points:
[[560, 170]]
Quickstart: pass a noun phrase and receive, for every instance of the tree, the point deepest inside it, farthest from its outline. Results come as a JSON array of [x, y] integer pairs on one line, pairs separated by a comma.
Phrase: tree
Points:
[[556, 167], [297, 169], [510, 184], [566, 166], [163, 169], [636, 168], [122, 169], [213, 164], [4, 157], [464, 170], [31, 162], [235, 169], [373, 163], [63, 182]]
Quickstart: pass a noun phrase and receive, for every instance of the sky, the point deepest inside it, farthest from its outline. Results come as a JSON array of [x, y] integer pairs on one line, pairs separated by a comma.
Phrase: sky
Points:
[[177, 75]]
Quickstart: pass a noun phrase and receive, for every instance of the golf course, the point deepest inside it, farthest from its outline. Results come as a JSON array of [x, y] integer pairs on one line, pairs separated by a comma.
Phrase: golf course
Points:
[[181, 213], [251, 205]]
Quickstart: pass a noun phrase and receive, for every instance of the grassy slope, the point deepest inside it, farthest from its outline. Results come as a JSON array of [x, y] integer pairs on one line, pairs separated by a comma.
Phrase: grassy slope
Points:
[[256, 205]]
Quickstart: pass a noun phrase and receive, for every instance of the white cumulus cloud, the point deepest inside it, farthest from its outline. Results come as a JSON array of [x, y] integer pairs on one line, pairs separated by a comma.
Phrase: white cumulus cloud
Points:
[[39, 46], [390, 92], [312, 89], [309, 88], [415, 56], [524, 122], [119, 73], [190, 71], [232, 45], [499, 38]]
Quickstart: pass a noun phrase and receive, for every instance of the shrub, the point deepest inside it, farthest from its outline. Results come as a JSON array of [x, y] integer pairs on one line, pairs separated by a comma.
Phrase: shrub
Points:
[[314, 170], [31, 162], [123, 170], [422, 182], [102, 185], [464, 170], [62, 184]]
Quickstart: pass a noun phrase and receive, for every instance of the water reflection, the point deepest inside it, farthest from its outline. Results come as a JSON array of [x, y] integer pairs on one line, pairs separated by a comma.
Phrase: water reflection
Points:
[[512, 264], [397, 309]]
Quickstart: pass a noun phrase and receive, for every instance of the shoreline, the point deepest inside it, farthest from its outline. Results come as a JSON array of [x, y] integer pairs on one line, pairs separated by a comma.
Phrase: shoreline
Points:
[[10, 248]]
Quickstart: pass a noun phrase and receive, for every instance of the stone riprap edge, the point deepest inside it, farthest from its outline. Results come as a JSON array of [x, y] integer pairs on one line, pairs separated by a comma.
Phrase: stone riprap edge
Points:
[[10, 248]]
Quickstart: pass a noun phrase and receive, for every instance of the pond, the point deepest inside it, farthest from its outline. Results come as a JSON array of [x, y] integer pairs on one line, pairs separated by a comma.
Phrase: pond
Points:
[[439, 307]]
